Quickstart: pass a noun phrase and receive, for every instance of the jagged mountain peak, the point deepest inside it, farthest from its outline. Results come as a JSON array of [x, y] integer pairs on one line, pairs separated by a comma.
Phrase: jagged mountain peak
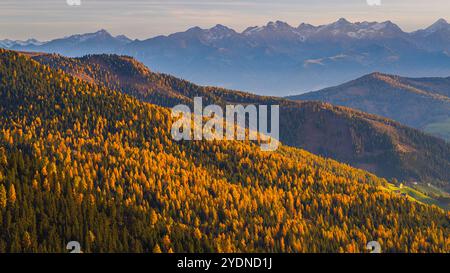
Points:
[[99, 35], [388, 24], [106, 33], [195, 29], [441, 21], [220, 27], [102, 33], [29, 42], [215, 33], [278, 25], [270, 27], [306, 26], [341, 22], [220, 31], [438, 25]]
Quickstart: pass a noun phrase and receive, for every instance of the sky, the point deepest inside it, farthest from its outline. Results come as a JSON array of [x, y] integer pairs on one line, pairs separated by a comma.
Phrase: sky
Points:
[[141, 19]]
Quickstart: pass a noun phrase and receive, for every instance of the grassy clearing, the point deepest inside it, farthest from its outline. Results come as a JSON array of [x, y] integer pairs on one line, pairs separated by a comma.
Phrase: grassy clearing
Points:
[[441, 129], [441, 200]]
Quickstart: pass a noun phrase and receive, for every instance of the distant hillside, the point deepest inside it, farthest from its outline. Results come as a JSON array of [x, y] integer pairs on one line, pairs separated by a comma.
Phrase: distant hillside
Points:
[[422, 103], [379, 145], [82, 162]]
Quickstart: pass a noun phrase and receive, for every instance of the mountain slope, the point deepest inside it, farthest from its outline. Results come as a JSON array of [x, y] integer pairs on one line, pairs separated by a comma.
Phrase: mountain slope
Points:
[[418, 103], [79, 161], [434, 38], [277, 59], [376, 144]]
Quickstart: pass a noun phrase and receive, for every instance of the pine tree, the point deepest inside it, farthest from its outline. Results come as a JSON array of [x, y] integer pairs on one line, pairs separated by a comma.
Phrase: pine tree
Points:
[[157, 249], [26, 241], [12, 194], [3, 199]]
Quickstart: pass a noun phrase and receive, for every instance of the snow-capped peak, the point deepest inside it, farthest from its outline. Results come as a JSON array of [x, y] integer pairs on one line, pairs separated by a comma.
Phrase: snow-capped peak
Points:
[[221, 30], [307, 27], [277, 26], [11, 43], [360, 30], [6, 43], [88, 36], [217, 32], [341, 21]]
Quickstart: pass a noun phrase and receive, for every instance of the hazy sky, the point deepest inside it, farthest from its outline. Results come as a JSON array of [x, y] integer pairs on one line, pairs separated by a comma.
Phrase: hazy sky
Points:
[[46, 19]]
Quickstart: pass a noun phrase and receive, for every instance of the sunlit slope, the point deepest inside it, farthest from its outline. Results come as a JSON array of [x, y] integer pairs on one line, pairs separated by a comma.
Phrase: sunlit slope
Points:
[[422, 103], [82, 162], [366, 141]]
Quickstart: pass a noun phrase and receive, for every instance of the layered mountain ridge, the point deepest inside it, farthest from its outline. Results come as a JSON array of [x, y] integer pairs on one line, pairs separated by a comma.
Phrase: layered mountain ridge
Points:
[[422, 103], [79, 161], [373, 143], [276, 58]]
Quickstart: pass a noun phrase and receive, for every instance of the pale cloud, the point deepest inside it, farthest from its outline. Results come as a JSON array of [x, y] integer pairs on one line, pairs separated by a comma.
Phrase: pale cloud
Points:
[[46, 19]]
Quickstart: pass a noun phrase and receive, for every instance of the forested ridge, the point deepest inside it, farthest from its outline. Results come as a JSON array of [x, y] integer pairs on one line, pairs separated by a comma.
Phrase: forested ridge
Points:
[[79, 161], [366, 141], [417, 102]]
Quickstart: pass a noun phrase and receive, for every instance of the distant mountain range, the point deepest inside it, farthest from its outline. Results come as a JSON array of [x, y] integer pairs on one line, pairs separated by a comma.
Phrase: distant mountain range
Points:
[[99, 42], [275, 59], [366, 141], [17, 43], [422, 103]]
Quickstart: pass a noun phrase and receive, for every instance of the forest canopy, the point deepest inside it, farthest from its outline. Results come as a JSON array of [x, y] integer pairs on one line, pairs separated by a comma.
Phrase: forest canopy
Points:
[[80, 161]]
